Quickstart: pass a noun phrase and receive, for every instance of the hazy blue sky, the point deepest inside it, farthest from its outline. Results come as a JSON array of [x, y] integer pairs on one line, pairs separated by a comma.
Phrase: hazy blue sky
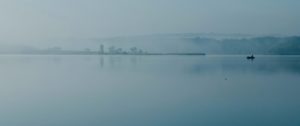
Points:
[[36, 20]]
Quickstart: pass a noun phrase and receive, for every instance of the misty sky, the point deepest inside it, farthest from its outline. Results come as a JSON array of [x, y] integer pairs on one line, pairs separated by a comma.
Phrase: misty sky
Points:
[[38, 20]]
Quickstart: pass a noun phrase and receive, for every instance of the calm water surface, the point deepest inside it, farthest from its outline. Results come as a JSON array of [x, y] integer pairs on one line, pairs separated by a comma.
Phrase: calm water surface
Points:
[[149, 91]]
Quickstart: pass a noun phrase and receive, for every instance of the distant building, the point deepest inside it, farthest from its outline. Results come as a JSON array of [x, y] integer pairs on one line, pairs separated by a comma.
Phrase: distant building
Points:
[[101, 51]]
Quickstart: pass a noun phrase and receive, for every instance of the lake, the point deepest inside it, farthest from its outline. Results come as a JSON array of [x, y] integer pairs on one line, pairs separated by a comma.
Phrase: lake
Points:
[[149, 91]]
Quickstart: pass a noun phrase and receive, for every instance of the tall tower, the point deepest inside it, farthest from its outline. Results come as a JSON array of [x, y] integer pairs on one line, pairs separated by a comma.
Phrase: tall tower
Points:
[[101, 51]]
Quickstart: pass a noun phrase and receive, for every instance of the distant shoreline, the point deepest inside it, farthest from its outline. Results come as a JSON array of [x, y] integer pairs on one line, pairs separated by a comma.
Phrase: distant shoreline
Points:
[[144, 54], [94, 53], [148, 54]]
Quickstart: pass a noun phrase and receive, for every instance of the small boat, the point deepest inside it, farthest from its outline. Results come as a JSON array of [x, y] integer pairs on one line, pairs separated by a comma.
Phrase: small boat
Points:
[[251, 57]]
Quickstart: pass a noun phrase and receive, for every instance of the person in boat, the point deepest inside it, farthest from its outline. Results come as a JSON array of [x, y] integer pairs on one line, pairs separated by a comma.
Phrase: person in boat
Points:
[[251, 57]]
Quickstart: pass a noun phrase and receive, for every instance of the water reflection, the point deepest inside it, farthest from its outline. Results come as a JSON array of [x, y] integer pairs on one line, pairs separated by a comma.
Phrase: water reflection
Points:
[[101, 61], [237, 64], [119, 61], [149, 90]]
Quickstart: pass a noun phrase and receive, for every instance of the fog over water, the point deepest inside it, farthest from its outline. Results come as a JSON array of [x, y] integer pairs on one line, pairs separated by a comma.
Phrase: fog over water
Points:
[[70, 23]]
